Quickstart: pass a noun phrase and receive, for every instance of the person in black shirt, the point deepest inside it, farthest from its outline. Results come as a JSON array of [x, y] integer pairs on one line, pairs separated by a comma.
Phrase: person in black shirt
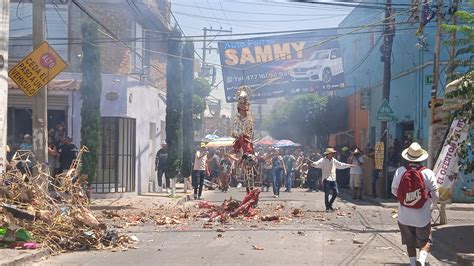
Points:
[[67, 154], [161, 163]]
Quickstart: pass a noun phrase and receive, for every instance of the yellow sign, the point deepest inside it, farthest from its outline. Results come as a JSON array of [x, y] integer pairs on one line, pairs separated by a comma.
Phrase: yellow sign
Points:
[[37, 69], [379, 153]]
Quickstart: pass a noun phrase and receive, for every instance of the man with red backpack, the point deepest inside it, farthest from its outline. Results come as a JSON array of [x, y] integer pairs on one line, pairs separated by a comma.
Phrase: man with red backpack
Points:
[[416, 189]]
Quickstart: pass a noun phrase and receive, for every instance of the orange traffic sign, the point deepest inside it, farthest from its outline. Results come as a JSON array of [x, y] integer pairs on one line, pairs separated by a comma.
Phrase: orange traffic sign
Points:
[[37, 69]]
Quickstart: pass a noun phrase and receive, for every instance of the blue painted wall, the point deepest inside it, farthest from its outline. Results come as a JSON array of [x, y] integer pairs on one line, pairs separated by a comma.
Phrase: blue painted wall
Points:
[[409, 94]]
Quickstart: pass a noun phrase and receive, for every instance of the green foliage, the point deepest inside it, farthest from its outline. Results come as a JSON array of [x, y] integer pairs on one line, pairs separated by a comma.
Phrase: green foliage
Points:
[[202, 87], [174, 104], [305, 116], [464, 74], [91, 87], [188, 91], [199, 105]]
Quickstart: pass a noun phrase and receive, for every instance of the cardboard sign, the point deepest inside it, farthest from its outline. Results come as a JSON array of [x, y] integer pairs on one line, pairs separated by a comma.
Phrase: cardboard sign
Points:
[[37, 69], [379, 154]]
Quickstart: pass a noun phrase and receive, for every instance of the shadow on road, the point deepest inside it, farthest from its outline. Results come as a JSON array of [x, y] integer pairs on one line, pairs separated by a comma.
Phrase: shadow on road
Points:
[[450, 240]]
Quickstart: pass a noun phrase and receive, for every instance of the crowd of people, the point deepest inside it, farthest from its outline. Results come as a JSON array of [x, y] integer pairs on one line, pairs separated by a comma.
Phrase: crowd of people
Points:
[[61, 150], [277, 168]]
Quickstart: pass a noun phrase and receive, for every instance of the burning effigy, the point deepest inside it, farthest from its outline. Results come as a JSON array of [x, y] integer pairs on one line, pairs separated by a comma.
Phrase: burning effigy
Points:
[[242, 131]]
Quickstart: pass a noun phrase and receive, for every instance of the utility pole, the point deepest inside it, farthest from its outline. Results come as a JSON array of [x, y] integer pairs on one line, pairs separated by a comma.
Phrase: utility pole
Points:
[[4, 31], [452, 50], [389, 34], [434, 88], [40, 100], [433, 147], [206, 48], [204, 68]]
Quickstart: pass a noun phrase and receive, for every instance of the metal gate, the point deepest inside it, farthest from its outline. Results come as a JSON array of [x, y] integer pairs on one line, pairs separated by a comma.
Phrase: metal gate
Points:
[[116, 171]]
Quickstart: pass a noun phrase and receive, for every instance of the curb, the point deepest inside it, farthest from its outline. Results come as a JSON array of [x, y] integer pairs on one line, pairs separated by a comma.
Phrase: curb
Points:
[[465, 259], [25, 258]]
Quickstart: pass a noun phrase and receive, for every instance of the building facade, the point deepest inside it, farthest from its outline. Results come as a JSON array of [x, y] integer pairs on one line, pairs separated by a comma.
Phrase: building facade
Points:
[[133, 82]]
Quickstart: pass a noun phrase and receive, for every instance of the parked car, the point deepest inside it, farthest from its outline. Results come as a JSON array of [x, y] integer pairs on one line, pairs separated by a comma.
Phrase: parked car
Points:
[[323, 65]]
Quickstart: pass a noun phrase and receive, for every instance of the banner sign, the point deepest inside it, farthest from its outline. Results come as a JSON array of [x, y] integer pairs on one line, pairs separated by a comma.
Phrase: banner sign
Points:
[[281, 65], [446, 168]]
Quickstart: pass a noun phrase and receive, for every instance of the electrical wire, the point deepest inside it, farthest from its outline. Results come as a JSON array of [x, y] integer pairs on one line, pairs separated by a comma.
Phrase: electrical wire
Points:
[[258, 21], [213, 14], [108, 40], [255, 13], [225, 16], [331, 39]]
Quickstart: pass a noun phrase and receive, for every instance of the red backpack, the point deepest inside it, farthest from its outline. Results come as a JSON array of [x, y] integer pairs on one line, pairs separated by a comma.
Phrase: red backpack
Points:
[[411, 191]]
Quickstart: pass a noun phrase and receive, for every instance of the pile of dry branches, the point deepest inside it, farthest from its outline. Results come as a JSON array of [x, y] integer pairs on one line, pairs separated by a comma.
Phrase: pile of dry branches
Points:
[[54, 210]]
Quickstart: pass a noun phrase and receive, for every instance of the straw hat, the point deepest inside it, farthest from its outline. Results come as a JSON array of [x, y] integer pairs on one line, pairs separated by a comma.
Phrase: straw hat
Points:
[[329, 151], [415, 153]]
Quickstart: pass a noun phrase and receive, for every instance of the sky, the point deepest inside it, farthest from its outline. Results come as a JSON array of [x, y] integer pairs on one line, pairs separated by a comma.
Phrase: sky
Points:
[[247, 16]]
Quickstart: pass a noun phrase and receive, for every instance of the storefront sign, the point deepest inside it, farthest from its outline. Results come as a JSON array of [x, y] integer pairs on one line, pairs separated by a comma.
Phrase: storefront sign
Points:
[[37, 69], [277, 66]]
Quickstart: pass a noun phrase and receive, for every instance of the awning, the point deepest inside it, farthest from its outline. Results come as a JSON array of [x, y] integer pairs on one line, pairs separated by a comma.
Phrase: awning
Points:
[[59, 85]]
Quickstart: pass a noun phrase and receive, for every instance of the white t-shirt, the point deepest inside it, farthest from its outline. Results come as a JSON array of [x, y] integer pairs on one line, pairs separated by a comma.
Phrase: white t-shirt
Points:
[[200, 163], [357, 169], [416, 217]]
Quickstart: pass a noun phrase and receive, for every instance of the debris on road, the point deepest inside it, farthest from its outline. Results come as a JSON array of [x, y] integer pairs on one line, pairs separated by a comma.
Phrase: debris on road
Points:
[[297, 212], [270, 218], [255, 247], [51, 212]]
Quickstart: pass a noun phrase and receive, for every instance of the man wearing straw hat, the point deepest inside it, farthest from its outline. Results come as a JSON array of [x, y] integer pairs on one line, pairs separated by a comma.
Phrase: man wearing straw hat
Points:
[[416, 189], [357, 160], [328, 166]]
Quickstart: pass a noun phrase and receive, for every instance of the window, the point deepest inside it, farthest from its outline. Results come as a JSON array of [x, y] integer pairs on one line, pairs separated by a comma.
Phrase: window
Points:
[[56, 31]]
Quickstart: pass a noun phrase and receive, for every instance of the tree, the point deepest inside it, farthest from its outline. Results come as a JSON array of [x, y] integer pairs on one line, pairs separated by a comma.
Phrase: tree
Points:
[[461, 69], [91, 87], [188, 90], [306, 116], [202, 89], [174, 104]]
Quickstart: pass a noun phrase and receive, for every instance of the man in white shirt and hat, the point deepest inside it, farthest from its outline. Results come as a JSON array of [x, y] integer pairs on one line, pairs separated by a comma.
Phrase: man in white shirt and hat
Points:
[[415, 221], [355, 182], [328, 165]]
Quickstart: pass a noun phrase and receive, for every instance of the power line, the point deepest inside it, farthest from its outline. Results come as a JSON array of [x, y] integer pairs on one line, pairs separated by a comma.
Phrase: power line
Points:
[[214, 14], [264, 21], [330, 39], [109, 40], [225, 16], [189, 38], [254, 13], [184, 34]]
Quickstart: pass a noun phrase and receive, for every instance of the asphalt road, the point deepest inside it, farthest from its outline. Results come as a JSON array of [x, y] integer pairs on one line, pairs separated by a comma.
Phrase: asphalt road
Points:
[[357, 234]]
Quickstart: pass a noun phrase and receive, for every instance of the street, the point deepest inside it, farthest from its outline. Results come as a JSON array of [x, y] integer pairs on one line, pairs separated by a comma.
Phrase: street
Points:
[[356, 234]]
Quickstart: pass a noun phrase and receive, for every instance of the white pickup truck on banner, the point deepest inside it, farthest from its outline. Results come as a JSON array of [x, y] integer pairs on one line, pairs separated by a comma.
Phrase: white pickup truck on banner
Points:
[[446, 168]]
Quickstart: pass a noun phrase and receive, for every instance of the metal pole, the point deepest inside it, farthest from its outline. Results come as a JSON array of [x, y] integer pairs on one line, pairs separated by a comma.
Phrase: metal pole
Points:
[[40, 100], [204, 50], [434, 86], [389, 33], [4, 26]]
